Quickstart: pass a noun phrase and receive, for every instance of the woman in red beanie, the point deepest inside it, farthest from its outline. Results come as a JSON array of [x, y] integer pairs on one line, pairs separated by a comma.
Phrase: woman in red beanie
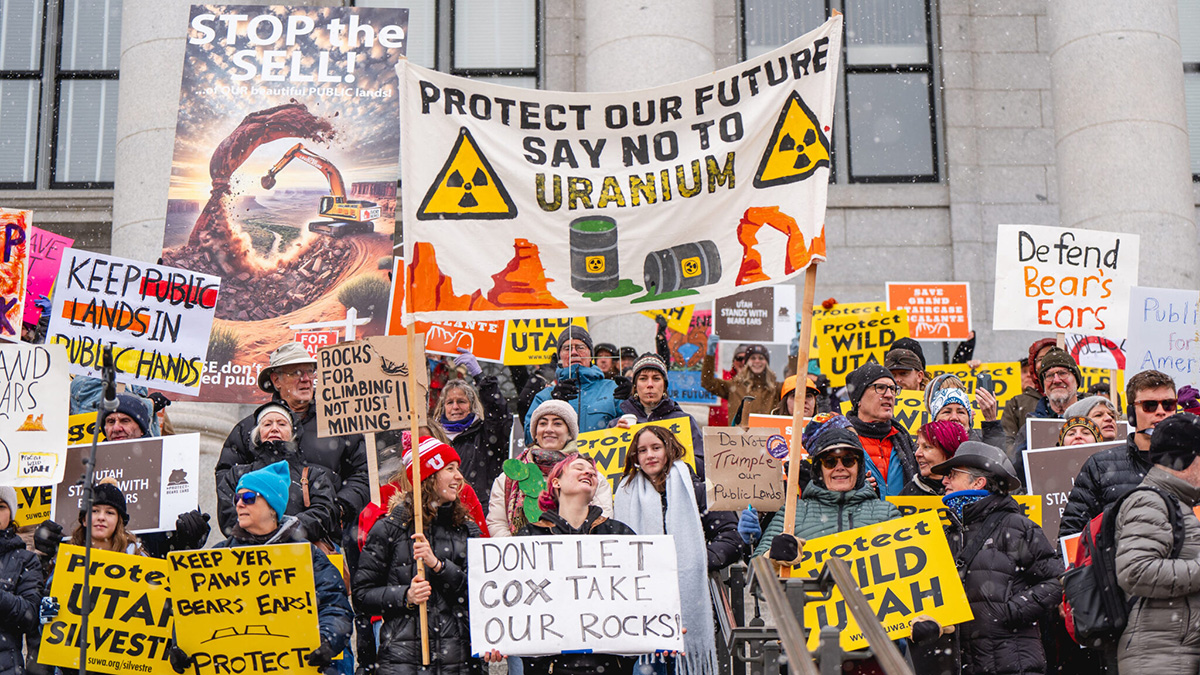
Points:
[[936, 443]]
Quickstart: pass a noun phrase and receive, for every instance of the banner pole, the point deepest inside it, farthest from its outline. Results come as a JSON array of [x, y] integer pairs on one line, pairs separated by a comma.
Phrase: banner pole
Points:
[[793, 477], [1060, 340], [414, 440]]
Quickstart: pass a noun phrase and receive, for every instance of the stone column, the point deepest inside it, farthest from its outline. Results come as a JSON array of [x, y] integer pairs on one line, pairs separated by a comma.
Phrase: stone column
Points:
[[634, 45], [1120, 129]]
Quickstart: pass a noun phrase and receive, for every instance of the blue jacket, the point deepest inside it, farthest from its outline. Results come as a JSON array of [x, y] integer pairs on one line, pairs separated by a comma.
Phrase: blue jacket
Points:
[[595, 405]]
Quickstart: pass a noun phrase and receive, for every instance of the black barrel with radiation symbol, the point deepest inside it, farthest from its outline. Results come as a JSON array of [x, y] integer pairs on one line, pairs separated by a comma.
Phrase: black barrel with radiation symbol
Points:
[[594, 254], [680, 267]]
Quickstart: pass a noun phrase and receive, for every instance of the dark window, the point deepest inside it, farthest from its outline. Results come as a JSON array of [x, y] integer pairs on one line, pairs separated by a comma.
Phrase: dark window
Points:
[[885, 114], [1189, 41]]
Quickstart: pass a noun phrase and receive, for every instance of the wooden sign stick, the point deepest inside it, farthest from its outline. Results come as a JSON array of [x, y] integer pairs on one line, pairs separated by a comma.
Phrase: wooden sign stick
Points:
[[372, 466], [1113, 392], [793, 477], [414, 440]]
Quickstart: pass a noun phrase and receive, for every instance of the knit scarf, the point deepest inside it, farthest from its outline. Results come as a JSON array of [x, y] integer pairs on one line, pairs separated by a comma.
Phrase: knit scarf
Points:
[[876, 430], [459, 426], [514, 496], [957, 501], [639, 506]]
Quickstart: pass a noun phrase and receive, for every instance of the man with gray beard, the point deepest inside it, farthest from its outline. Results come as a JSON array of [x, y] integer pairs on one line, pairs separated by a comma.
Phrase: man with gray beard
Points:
[[1060, 378]]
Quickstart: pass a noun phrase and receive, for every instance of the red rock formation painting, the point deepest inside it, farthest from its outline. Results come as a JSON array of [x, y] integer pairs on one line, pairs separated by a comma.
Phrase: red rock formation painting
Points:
[[522, 284], [798, 255]]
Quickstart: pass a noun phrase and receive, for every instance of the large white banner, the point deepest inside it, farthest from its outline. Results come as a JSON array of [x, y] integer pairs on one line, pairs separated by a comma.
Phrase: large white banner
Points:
[[531, 596], [1064, 280], [539, 204], [34, 391], [1164, 334], [157, 318]]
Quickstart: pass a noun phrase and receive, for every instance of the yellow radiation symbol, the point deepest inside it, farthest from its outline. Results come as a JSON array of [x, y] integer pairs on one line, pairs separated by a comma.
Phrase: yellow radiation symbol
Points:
[[595, 264], [691, 266]]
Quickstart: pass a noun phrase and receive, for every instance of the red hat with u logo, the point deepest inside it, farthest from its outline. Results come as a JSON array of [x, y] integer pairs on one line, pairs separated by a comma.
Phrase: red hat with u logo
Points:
[[434, 456]]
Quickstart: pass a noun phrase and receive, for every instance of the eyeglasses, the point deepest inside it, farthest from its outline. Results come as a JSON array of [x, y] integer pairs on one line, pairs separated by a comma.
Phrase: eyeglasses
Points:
[[1058, 374], [739, 357], [830, 462], [882, 389], [246, 498], [1149, 406], [969, 475], [299, 372]]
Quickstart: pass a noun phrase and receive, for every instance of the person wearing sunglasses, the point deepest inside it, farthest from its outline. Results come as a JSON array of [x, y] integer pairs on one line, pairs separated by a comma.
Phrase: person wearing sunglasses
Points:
[[837, 498], [290, 379], [1109, 474], [311, 496], [260, 500], [893, 462]]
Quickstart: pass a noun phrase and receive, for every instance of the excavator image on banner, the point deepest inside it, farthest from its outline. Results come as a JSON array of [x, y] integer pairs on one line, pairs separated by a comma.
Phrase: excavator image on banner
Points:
[[349, 216]]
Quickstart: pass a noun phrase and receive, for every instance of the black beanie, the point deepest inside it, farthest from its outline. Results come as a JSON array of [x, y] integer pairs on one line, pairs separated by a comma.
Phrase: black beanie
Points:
[[863, 377], [912, 346], [574, 332], [108, 494], [1175, 441]]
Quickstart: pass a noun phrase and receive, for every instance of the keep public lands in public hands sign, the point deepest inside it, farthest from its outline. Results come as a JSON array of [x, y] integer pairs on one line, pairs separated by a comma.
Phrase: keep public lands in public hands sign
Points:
[[679, 194], [1064, 280]]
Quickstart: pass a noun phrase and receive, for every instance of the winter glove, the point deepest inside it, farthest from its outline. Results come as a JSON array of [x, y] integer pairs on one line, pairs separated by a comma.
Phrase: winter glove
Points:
[[160, 401], [784, 548], [191, 531], [749, 527], [712, 344], [794, 346], [565, 390], [624, 388], [180, 660], [321, 656], [47, 537], [924, 632], [48, 610], [467, 360]]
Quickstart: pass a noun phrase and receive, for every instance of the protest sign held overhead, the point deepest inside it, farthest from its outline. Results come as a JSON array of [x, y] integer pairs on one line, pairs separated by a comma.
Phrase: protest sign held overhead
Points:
[[608, 446], [159, 476], [1164, 333], [364, 386], [530, 596], [1064, 280], [34, 390], [849, 341], [1006, 380], [744, 466], [251, 609], [129, 625], [529, 342], [761, 315], [687, 348], [678, 318], [1093, 351], [14, 271], [45, 255], [936, 311], [903, 566], [683, 193], [283, 178], [156, 318]]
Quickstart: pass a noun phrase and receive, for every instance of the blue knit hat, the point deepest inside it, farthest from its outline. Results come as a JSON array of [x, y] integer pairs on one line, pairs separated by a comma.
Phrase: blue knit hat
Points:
[[272, 482], [136, 408]]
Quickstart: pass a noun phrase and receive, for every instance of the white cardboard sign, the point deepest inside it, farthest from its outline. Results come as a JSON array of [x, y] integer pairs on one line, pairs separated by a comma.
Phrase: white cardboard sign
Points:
[[532, 596], [34, 390], [1164, 334]]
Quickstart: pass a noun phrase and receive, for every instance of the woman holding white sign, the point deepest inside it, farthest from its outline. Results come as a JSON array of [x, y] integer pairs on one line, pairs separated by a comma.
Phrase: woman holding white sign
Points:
[[514, 497], [387, 584], [568, 508], [659, 494]]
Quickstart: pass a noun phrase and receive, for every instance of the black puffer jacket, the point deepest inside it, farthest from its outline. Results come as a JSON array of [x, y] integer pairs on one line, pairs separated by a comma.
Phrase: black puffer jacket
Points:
[[386, 569], [1105, 476], [344, 456], [319, 520], [20, 594], [483, 446], [1011, 584], [335, 619], [577, 664]]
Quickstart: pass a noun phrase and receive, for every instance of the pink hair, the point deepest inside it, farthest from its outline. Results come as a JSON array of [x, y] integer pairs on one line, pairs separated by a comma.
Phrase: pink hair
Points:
[[548, 499]]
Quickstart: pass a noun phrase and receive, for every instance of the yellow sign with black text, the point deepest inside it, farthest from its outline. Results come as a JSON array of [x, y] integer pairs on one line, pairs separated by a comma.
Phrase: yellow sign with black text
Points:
[[247, 610], [531, 342], [910, 411], [34, 504], [679, 319], [1031, 506], [608, 446], [847, 342], [903, 566], [129, 625], [81, 427], [1006, 380]]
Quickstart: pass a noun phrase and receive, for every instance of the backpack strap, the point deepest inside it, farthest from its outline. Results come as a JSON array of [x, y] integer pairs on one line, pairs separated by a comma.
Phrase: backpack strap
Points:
[[987, 529]]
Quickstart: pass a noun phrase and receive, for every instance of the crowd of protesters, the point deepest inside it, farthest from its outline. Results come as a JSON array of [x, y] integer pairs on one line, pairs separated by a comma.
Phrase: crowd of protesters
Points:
[[278, 481]]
